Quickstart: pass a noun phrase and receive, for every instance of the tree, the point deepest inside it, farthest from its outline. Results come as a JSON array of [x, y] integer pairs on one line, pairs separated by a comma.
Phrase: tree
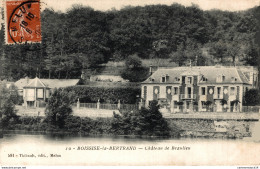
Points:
[[82, 38], [14, 95], [179, 56], [252, 97], [134, 71], [219, 50], [232, 51], [252, 55], [59, 108], [7, 106]]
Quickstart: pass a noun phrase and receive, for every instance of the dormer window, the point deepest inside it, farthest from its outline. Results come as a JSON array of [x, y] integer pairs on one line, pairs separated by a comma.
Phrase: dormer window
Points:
[[177, 79], [220, 78], [233, 79], [151, 79], [165, 78], [204, 79], [189, 80]]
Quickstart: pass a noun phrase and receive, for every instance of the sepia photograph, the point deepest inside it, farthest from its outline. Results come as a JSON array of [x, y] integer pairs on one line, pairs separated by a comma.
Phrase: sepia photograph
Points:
[[129, 83]]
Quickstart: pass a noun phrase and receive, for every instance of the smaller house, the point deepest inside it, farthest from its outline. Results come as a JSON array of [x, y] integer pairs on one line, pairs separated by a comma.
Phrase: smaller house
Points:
[[36, 91]]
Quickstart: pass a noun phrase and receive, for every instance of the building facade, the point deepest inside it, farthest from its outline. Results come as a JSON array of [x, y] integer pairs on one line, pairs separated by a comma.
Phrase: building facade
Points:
[[205, 88], [36, 92]]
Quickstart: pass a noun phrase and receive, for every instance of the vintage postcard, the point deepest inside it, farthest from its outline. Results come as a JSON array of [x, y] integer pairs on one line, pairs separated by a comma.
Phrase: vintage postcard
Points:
[[129, 83]]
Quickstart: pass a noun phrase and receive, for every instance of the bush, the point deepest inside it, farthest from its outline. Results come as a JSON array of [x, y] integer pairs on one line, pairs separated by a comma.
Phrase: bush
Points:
[[72, 123], [101, 126], [148, 122], [124, 124], [252, 97]]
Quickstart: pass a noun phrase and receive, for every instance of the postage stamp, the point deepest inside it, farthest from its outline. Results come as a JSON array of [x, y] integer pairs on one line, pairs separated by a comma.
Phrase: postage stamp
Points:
[[22, 21]]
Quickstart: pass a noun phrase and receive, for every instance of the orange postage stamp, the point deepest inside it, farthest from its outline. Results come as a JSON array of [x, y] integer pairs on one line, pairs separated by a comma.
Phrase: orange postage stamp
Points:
[[22, 21]]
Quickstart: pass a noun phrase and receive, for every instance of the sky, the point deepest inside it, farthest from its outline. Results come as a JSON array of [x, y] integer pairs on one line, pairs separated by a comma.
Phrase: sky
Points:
[[104, 5]]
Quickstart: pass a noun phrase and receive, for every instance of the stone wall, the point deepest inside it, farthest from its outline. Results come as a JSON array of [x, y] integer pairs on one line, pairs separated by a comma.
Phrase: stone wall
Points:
[[212, 128]]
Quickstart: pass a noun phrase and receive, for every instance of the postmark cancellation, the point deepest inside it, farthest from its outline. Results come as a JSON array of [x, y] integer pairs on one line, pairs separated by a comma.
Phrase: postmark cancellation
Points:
[[22, 21]]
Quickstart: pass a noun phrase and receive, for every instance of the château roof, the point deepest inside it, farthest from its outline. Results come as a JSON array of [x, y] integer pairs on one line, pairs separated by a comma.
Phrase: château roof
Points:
[[210, 73]]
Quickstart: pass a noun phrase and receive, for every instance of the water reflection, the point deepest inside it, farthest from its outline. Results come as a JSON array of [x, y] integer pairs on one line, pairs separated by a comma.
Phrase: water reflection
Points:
[[203, 151]]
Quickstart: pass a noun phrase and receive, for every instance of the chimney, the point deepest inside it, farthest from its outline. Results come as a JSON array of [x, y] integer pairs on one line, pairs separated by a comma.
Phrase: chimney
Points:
[[27, 79], [150, 70]]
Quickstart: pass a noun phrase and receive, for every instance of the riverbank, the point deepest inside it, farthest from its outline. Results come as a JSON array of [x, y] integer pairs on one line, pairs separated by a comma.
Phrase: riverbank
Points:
[[78, 126]]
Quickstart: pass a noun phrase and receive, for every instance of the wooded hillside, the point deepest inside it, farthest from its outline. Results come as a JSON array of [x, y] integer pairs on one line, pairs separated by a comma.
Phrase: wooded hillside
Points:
[[84, 38]]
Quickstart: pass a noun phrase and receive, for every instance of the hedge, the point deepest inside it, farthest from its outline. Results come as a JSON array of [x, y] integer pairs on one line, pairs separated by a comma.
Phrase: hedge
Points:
[[88, 94]]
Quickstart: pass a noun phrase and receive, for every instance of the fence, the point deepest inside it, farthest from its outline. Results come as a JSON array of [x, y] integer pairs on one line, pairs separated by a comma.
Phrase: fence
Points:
[[106, 106], [177, 108], [88, 105], [250, 109], [214, 108]]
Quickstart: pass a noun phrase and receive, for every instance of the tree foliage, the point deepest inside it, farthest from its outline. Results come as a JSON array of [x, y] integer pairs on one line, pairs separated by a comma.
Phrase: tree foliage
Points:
[[134, 71], [148, 122], [59, 108], [7, 105], [82, 38], [252, 97]]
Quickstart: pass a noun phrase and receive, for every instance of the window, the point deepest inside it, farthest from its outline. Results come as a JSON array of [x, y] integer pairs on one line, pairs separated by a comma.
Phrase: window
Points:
[[183, 79], [211, 91], [47, 93], [167, 77], [233, 79], [204, 79], [175, 105], [163, 79], [219, 90], [203, 91], [223, 78], [145, 92], [40, 93], [232, 91], [189, 80], [220, 78], [203, 104], [255, 81], [175, 92]]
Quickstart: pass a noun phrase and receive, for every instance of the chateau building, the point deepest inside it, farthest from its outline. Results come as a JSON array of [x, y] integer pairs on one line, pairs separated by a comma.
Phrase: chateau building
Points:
[[200, 88]]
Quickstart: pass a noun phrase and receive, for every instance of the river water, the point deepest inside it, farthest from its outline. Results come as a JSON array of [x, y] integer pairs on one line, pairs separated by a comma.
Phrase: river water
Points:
[[41, 149]]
